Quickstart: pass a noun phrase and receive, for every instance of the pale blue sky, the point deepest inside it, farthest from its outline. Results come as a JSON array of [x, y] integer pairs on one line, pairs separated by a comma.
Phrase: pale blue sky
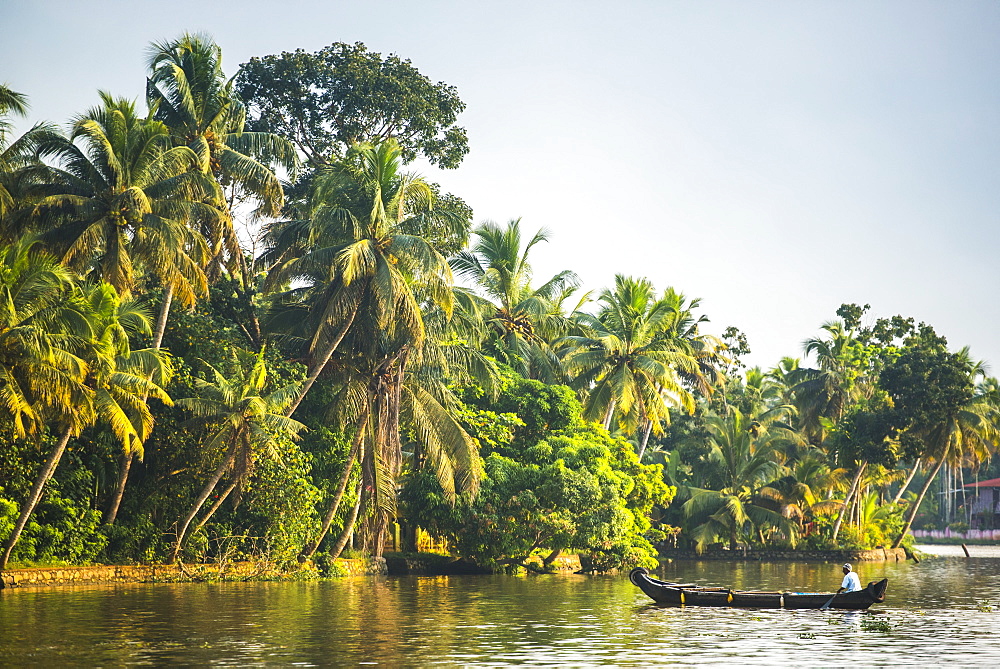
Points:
[[773, 158]]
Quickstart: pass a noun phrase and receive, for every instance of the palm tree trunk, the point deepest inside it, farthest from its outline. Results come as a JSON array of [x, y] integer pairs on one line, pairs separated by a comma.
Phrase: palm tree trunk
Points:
[[128, 457], [645, 438], [906, 483], [608, 415], [226, 463], [916, 504], [161, 321], [323, 358], [345, 534], [116, 500], [848, 500], [36, 494], [215, 507], [311, 547]]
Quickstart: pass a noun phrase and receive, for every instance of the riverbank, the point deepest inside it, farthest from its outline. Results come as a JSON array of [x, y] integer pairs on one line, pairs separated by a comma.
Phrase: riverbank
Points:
[[771, 555], [397, 564], [176, 573], [957, 551]]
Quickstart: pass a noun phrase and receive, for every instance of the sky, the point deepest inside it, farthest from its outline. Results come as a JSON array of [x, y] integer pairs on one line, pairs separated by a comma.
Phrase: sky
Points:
[[775, 159]]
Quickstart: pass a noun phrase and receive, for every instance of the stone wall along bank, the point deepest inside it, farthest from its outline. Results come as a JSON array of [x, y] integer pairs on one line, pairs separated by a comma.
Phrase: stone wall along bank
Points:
[[158, 573]]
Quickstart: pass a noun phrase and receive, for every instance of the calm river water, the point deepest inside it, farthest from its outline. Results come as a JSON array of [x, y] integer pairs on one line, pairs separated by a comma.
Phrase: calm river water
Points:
[[934, 614]]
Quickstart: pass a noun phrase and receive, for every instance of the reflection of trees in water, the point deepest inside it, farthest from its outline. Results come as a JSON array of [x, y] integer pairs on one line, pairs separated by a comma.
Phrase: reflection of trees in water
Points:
[[476, 620]]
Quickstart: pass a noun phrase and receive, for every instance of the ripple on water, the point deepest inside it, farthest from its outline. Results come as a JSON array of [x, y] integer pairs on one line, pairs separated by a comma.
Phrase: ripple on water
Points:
[[934, 613]]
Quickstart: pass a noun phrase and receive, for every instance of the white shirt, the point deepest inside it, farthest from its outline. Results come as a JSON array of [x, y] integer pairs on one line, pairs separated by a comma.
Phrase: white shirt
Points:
[[851, 582]]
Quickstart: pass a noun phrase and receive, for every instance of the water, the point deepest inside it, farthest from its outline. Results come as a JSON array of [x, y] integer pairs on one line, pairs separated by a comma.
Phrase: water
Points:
[[933, 614]]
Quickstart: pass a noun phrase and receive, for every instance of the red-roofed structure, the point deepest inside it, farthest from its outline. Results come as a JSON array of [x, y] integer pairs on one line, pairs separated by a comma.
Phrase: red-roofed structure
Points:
[[992, 483], [986, 504]]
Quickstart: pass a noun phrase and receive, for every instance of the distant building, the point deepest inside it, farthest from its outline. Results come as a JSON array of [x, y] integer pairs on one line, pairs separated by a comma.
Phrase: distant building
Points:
[[986, 505]]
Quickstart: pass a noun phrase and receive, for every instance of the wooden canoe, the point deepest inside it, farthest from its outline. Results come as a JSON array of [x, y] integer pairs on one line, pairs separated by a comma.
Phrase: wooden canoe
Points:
[[690, 594]]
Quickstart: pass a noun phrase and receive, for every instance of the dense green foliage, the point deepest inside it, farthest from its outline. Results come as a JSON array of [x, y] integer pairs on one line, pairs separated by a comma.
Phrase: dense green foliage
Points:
[[550, 481], [344, 94], [169, 391]]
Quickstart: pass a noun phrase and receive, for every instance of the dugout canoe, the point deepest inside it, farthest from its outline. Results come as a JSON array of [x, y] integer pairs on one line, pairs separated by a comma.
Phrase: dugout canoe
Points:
[[666, 593]]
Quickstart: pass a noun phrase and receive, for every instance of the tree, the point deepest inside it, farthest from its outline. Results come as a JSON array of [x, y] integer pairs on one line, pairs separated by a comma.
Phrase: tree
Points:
[[739, 463], [79, 369], [805, 491], [244, 422], [39, 368], [124, 379], [369, 278], [342, 95], [118, 205], [935, 407], [355, 255], [15, 154], [824, 395], [189, 92], [520, 321], [41, 375], [575, 488], [630, 366], [393, 395]]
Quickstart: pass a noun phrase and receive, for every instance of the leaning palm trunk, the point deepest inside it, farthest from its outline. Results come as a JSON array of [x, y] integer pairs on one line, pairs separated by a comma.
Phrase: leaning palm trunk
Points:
[[847, 501], [311, 547], [321, 360], [215, 507], [116, 499], [36, 494], [129, 456], [645, 438], [161, 321], [906, 483], [226, 464], [345, 534], [608, 415], [916, 503]]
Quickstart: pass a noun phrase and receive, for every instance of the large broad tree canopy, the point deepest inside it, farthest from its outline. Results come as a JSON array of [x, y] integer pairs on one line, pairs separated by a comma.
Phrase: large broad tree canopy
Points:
[[343, 94]]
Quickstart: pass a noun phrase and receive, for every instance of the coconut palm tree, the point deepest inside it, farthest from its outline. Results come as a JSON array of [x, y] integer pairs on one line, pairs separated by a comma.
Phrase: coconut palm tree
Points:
[[13, 154], [739, 463], [823, 395], [116, 384], [368, 280], [805, 491], [520, 321], [118, 202], [188, 91], [386, 389], [75, 365], [355, 256], [11, 102], [630, 366], [118, 206], [39, 366], [124, 379], [243, 420], [683, 330], [43, 328]]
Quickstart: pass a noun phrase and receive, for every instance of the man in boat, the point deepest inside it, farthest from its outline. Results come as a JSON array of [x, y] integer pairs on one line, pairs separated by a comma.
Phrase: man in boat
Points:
[[851, 581]]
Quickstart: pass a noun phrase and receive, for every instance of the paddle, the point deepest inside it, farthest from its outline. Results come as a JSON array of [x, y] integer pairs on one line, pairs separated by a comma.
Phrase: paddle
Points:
[[828, 602]]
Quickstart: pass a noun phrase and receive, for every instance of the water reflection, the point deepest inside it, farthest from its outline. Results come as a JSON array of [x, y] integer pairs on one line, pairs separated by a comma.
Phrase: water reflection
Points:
[[934, 613]]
